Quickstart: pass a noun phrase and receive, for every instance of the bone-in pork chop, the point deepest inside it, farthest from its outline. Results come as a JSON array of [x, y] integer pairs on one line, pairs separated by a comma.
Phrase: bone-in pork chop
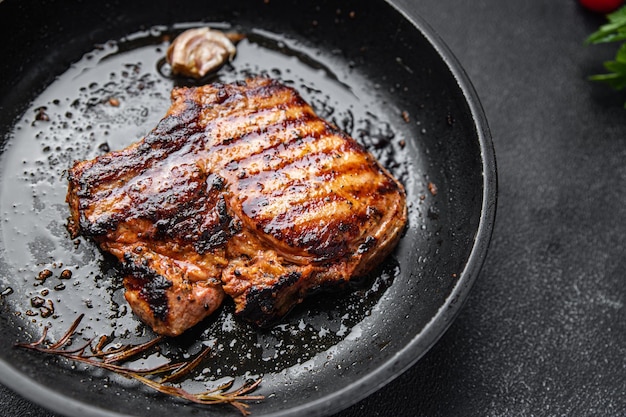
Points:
[[240, 189]]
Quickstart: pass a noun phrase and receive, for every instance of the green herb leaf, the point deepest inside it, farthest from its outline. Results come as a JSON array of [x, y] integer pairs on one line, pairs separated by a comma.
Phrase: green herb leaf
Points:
[[613, 31]]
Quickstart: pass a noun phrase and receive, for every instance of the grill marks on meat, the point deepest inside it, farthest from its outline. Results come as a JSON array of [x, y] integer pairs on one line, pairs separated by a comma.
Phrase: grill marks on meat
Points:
[[241, 189]]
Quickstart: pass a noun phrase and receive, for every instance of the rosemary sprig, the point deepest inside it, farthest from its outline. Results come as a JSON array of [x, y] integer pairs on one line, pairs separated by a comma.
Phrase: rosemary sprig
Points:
[[157, 378], [613, 31]]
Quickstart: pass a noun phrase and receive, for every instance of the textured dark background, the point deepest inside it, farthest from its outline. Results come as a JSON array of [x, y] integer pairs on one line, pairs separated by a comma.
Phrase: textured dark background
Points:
[[544, 330]]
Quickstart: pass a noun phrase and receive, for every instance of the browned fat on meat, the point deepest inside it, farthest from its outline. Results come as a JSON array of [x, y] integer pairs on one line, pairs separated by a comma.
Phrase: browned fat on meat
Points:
[[241, 189]]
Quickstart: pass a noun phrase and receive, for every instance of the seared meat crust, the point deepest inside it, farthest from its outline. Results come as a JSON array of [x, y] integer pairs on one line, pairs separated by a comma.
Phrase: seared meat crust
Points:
[[241, 189]]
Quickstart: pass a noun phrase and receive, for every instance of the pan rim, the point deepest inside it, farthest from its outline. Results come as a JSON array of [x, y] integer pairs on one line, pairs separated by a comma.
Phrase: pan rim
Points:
[[437, 326], [421, 342]]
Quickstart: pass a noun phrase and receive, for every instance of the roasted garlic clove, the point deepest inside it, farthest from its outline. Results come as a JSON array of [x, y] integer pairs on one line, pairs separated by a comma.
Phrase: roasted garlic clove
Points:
[[196, 52]]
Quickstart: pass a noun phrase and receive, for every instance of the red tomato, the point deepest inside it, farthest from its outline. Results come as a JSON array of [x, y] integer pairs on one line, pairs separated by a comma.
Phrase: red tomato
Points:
[[602, 6]]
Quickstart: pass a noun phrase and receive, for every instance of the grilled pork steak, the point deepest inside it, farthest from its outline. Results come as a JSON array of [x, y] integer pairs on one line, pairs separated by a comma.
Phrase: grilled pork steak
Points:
[[240, 189]]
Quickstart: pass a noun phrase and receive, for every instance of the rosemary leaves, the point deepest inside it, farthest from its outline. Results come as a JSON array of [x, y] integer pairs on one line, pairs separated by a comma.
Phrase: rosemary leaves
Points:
[[95, 353]]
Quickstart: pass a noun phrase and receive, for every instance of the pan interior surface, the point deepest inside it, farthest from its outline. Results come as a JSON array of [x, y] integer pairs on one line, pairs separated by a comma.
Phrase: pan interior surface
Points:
[[95, 80]]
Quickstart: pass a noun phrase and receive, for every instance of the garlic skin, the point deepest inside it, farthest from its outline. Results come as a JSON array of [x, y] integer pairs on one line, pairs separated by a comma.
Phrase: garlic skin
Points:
[[196, 52]]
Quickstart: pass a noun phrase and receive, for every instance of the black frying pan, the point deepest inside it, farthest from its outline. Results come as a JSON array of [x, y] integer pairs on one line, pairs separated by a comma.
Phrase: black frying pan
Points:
[[383, 77]]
